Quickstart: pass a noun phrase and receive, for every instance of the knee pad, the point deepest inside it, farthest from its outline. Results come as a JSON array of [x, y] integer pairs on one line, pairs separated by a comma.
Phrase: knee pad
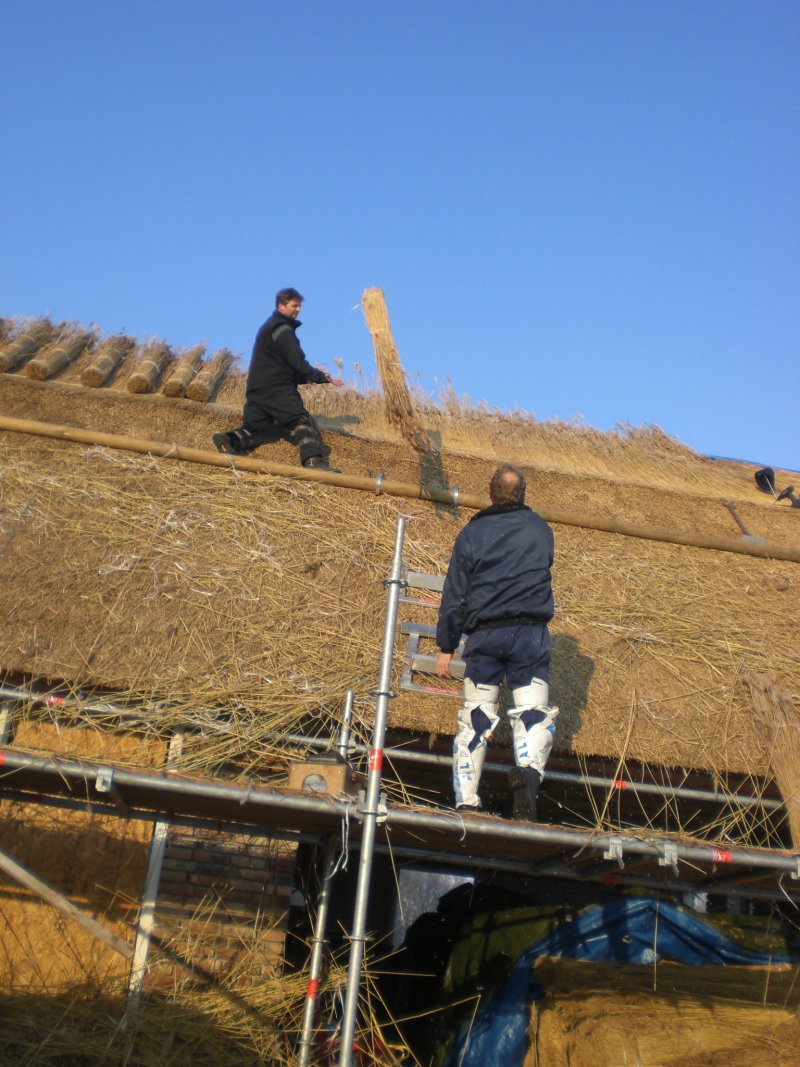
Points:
[[479, 695], [534, 695], [476, 724], [533, 732], [475, 727]]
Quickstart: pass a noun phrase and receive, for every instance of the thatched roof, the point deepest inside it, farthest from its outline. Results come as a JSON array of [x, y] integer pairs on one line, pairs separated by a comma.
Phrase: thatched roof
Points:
[[263, 596]]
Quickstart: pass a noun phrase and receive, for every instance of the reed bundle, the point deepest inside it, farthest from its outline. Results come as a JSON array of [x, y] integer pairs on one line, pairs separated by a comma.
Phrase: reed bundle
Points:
[[399, 407], [37, 334], [54, 359], [184, 372], [149, 368], [109, 355], [208, 380]]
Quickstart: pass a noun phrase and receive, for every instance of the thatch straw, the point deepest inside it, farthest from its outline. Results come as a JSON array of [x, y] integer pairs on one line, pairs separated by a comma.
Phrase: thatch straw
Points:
[[149, 369], [106, 359], [779, 724], [209, 379], [54, 359], [37, 334], [603, 1013], [184, 372], [399, 408]]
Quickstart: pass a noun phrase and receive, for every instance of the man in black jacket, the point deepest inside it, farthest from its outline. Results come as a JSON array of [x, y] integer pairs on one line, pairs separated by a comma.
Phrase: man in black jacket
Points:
[[273, 405], [498, 592]]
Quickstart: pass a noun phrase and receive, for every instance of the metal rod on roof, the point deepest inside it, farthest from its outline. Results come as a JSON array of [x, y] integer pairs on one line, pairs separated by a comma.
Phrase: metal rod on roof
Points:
[[373, 798], [328, 872], [606, 524]]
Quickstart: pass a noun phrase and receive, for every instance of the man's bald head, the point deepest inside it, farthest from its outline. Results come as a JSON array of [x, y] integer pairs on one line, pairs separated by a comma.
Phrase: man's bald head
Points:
[[507, 485]]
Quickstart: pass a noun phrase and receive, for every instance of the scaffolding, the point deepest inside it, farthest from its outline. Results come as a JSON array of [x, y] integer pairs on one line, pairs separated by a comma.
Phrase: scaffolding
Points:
[[414, 834]]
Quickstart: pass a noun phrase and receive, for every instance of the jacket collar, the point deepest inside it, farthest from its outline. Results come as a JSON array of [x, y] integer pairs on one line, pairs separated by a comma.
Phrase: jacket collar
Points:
[[499, 509]]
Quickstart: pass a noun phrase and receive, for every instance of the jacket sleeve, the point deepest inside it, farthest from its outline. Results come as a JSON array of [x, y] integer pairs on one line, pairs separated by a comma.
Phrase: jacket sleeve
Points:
[[289, 347], [453, 609]]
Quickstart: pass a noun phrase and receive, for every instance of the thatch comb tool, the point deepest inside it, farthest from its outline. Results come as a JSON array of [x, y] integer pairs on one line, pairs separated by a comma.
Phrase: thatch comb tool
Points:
[[752, 539]]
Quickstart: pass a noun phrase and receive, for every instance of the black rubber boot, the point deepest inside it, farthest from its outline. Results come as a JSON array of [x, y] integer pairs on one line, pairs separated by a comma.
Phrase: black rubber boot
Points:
[[233, 443], [524, 782], [317, 463]]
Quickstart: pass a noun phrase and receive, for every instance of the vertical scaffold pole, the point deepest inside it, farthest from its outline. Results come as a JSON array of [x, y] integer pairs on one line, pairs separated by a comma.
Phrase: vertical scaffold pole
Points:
[[328, 871], [147, 911], [394, 583]]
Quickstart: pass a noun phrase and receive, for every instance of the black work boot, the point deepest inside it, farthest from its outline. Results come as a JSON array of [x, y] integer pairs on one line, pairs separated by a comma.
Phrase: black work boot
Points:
[[229, 443], [524, 782], [317, 463]]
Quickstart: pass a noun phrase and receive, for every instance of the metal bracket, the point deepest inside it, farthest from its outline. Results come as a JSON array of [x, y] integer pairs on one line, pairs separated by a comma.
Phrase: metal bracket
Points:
[[382, 812], [796, 872], [456, 495], [104, 783], [670, 857], [614, 852]]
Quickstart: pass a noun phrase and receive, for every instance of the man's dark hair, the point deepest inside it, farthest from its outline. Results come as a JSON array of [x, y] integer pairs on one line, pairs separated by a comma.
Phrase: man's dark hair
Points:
[[507, 485], [283, 296]]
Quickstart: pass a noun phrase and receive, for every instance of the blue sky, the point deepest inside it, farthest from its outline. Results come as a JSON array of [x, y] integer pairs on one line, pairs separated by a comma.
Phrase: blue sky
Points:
[[585, 210]]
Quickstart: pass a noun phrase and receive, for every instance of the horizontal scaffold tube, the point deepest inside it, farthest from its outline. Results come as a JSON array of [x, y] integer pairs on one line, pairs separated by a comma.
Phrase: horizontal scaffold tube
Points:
[[389, 487], [174, 794]]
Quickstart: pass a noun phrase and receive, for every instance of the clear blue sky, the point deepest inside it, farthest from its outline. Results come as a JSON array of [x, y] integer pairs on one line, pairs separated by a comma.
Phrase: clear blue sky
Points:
[[582, 209]]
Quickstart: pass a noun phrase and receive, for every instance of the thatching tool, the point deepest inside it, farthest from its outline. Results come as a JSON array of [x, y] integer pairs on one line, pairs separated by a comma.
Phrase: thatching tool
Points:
[[752, 539], [788, 494]]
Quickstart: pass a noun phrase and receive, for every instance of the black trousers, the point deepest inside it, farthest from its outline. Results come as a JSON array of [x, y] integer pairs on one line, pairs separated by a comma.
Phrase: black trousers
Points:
[[262, 426]]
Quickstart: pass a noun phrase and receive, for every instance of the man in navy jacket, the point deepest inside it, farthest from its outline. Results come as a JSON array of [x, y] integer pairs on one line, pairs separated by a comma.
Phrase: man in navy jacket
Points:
[[498, 592], [273, 406]]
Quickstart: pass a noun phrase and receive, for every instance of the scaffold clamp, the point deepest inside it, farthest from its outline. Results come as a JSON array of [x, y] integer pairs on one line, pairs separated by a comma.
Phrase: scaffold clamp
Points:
[[670, 857], [382, 812], [614, 852]]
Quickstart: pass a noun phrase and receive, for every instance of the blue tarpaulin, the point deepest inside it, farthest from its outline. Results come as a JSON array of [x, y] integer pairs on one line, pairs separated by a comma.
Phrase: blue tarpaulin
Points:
[[628, 930]]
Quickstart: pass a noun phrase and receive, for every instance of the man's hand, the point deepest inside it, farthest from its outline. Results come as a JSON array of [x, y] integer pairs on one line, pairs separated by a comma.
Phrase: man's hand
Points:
[[443, 664], [338, 382]]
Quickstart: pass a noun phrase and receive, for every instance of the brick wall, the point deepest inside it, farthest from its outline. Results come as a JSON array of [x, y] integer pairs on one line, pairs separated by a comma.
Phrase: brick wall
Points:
[[222, 905]]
